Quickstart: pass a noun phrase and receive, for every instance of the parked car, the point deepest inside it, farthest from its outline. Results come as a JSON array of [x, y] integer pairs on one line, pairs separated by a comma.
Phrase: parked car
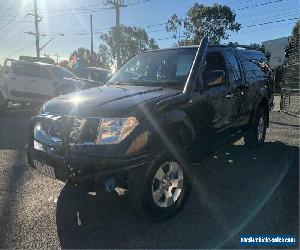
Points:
[[155, 119], [33, 82], [92, 73]]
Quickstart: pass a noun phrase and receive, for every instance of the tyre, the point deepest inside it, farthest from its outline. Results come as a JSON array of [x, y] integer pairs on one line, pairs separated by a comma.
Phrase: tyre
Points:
[[161, 191], [255, 136]]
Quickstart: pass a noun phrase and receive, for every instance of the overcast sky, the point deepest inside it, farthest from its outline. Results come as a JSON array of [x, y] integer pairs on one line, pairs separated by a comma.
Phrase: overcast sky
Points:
[[261, 20]]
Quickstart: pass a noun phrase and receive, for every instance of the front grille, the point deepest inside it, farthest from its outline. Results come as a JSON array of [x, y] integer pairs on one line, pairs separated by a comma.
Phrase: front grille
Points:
[[56, 130], [84, 130]]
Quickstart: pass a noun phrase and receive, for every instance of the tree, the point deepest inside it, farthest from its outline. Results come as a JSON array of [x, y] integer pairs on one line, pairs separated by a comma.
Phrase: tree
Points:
[[214, 21], [85, 58], [65, 64], [132, 41], [295, 31]]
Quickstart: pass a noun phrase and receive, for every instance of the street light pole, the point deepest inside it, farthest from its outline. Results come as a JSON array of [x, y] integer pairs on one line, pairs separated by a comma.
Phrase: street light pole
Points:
[[92, 42], [117, 4], [52, 38], [37, 35]]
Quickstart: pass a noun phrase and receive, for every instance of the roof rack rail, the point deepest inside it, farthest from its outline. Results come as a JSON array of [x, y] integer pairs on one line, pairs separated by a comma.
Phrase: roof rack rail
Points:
[[231, 44]]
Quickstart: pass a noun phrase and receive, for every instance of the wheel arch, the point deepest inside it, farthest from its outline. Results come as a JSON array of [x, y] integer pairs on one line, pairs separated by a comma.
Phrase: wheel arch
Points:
[[177, 128], [261, 103]]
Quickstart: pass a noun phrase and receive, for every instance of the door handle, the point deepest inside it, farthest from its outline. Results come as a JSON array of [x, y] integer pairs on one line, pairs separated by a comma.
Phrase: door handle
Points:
[[33, 80], [13, 78], [229, 95]]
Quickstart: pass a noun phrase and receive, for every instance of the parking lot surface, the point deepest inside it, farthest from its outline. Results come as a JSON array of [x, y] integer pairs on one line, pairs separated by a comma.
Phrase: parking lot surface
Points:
[[237, 191]]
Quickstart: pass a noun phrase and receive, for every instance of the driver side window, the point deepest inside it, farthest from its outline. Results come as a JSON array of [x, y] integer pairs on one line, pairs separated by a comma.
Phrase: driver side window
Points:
[[214, 61]]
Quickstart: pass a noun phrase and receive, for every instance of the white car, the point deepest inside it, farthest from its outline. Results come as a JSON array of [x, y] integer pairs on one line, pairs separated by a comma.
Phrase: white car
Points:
[[34, 82]]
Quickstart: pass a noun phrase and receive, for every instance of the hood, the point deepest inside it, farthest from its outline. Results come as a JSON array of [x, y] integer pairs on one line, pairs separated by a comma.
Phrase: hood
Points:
[[106, 101]]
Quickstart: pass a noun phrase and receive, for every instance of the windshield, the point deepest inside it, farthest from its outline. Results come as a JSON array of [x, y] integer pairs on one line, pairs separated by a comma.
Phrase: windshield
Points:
[[163, 67], [61, 72]]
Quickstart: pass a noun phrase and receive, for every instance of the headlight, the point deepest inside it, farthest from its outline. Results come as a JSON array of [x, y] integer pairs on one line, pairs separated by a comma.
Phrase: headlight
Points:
[[114, 130]]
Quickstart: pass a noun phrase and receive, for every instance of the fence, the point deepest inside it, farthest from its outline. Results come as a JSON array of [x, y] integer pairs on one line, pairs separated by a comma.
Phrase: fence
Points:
[[290, 92]]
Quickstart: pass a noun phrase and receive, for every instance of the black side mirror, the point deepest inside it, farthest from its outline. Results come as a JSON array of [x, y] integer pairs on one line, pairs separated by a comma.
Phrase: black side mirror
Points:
[[214, 78]]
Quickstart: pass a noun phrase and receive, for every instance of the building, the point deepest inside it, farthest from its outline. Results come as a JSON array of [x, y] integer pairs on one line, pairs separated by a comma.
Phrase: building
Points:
[[277, 49]]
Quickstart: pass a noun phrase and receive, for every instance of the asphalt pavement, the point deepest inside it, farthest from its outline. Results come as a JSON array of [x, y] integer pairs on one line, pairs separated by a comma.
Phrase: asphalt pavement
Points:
[[237, 191]]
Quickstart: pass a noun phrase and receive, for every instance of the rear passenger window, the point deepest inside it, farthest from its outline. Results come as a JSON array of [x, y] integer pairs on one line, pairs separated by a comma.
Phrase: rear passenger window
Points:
[[234, 71], [255, 65]]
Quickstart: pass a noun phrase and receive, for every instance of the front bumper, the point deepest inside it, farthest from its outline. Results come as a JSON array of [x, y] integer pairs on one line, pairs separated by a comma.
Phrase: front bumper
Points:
[[81, 167], [79, 162]]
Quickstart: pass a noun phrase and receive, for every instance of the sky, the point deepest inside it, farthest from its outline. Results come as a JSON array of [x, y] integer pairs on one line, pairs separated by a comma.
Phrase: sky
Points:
[[261, 20]]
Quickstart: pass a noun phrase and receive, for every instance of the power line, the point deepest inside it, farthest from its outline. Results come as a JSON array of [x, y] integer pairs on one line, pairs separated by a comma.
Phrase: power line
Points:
[[131, 4], [278, 11], [12, 19], [276, 21], [8, 23], [270, 27], [261, 4], [81, 12], [84, 10], [19, 50]]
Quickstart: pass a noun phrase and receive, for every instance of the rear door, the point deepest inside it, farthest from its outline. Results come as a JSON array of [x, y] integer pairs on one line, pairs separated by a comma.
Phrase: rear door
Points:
[[235, 100], [43, 86], [257, 75]]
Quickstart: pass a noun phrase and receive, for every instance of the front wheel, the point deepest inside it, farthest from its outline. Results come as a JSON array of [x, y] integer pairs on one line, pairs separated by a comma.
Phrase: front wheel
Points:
[[255, 136], [161, 191]]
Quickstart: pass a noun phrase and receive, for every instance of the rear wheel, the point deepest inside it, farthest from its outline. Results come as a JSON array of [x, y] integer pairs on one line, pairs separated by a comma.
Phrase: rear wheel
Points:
[[255, 136], [161, 191]]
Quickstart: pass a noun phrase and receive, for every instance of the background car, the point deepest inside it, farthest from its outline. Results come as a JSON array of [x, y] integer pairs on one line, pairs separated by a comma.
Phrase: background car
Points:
[[92, 73]]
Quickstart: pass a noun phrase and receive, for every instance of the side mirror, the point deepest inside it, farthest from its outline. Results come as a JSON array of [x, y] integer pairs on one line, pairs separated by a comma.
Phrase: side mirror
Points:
[[214, 78]]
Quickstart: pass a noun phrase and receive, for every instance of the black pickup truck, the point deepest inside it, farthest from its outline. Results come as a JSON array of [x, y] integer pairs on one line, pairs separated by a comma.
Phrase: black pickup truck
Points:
[[158, 116]]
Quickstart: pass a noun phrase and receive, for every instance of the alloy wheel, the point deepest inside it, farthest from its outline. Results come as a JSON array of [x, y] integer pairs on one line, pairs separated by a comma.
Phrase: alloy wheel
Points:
[[167, 184]]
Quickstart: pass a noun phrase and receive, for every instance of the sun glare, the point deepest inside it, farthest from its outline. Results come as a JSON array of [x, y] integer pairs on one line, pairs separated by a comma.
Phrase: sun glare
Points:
[[76, 99]]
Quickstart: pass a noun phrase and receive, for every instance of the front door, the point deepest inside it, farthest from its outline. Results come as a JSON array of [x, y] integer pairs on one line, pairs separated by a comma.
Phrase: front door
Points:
[[207, 109], [217, 95]]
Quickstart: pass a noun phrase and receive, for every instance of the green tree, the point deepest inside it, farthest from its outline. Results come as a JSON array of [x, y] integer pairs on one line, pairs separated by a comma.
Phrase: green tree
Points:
[[214, 21], [132, 41], [85, 58], [295, 31]]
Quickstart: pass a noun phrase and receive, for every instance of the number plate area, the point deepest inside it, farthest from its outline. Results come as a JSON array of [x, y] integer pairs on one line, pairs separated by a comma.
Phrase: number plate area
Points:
[[44, 168]]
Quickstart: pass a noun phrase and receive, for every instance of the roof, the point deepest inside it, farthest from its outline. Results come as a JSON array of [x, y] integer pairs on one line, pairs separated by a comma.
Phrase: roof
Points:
[[245, 48]]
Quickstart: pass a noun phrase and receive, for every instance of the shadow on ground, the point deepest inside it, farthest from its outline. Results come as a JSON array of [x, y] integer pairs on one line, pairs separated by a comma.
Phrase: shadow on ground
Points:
[[237, 191], [14, 128]]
